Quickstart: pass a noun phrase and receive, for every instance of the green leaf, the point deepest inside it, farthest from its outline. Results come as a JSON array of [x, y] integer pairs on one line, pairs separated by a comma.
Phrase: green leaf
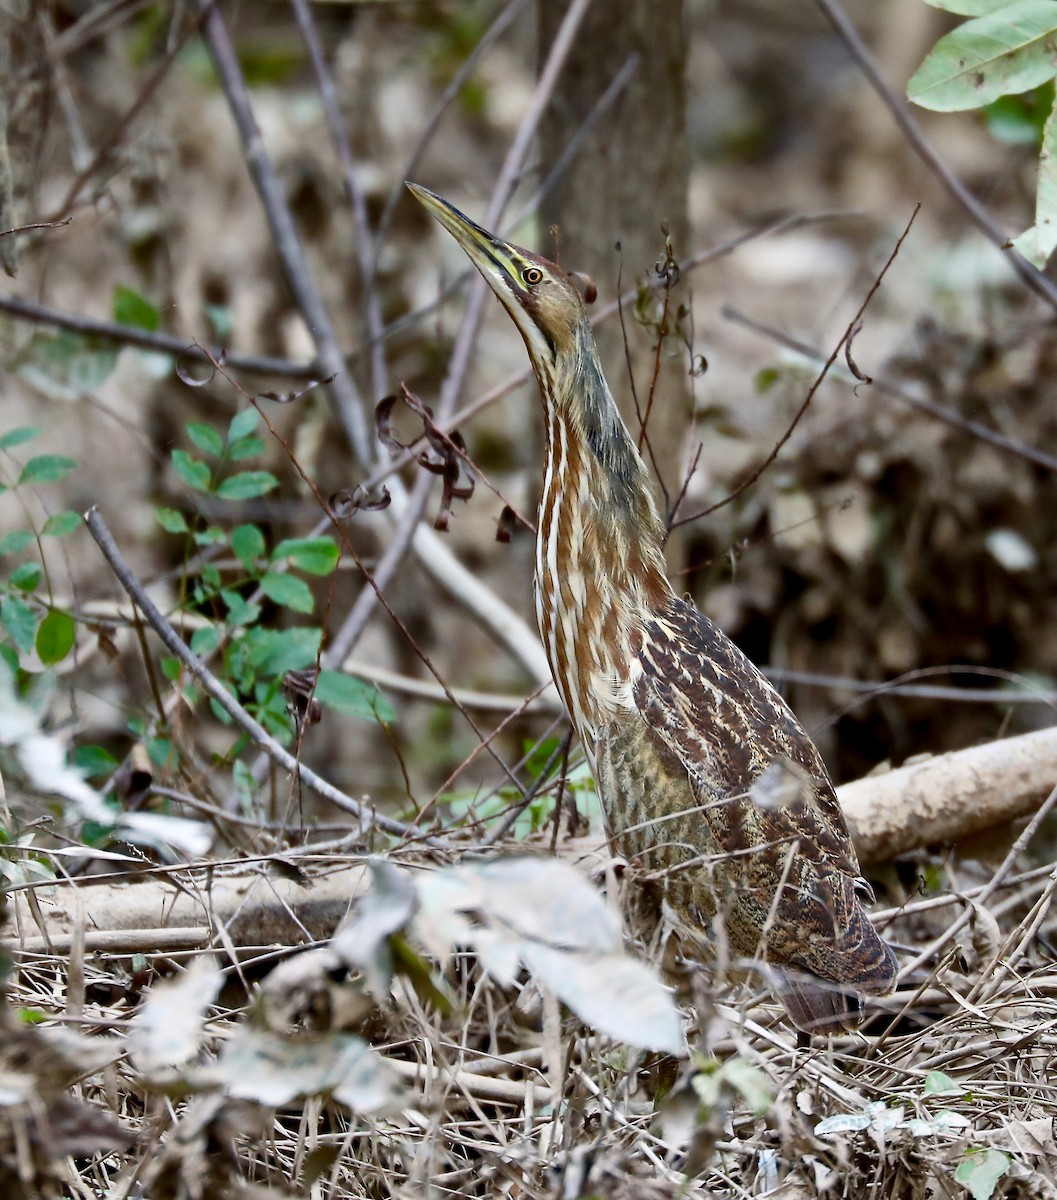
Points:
[[969, 8], [205, 640], [352, 697], [191, 470], [314, 556], [240, 611], [246, 485], [288, 590], [247, 447], [15, 437], [55, 637], [273, 652], [1040, 241], [25, 577], [206, 438], [47, 468], [170, 520], [980, 1172], [171, 668], [243, 424], [1008, 51], [94, 760], [161, 752], [16, 541], [20, 621], [219, 317], [130, 308], [247, 541], [62, 523]]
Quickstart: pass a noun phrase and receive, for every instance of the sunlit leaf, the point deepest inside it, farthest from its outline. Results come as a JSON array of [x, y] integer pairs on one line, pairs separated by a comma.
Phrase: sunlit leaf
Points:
[[60, 524], [243, 424], [1006, 51], [246, 485], [170, 520]]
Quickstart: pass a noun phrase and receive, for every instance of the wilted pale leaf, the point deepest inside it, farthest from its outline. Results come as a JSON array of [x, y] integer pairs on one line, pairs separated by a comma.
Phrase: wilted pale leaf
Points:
[[998, 54], [1040, 241], [980, 1172], [938, 1083], [614, 993], [362, 939], [167, 1030], [272, 1069], [541, 899]]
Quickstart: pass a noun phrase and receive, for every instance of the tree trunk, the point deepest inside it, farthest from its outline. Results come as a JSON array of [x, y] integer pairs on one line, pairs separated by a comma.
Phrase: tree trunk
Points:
[[627, 179]]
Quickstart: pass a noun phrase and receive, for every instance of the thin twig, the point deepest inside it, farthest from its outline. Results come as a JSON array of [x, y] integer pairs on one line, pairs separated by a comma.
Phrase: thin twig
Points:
[[853, 326], [455, 84], [914, 135], [216, 690], [942, 412], [167, 343], [373, 323]]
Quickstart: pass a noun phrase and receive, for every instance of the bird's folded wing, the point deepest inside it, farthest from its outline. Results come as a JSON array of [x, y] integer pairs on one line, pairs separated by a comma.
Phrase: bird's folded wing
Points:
[[726, 724]]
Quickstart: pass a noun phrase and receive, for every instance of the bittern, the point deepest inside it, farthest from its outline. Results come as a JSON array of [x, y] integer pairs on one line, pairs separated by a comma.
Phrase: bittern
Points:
[[677, 724]]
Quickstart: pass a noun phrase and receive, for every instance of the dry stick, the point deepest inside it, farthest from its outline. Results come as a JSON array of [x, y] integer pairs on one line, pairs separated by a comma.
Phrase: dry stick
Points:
[[173, 642], [373, 323], [845, 340], [914, 135], [898, 686], [458, 364], [167, 343], [995, 883], [347, 403], [350, 409], [941, 412], [114, 134]]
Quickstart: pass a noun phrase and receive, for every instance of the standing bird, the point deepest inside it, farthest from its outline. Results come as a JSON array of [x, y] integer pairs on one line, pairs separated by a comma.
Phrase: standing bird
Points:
[[677, 724]]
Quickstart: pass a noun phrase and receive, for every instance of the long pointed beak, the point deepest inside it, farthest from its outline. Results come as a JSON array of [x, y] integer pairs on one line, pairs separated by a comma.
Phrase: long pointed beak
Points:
[[493, 258]]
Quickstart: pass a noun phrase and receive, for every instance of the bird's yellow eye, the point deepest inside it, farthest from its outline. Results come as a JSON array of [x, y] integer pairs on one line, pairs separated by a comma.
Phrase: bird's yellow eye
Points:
[[532, 275]]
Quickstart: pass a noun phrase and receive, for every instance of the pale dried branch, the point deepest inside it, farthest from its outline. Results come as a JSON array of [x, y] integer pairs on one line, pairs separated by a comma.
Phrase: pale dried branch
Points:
[[951, 796]]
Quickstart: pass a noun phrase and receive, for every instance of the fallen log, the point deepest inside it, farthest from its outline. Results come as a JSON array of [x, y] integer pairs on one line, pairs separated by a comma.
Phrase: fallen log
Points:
[[929, 802]]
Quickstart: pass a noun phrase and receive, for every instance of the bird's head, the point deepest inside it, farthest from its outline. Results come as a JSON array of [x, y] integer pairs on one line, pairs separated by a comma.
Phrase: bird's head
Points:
[[541, 299]]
